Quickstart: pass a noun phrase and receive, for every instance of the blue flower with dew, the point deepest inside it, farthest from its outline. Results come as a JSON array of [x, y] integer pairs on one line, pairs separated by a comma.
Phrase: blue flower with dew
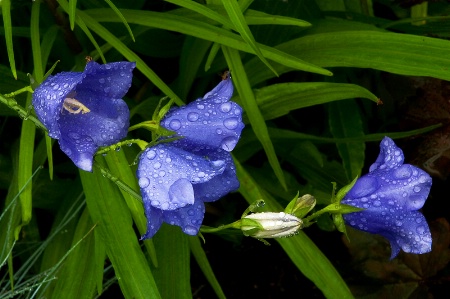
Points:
[[176, 178], [391, 194], [85, 110]]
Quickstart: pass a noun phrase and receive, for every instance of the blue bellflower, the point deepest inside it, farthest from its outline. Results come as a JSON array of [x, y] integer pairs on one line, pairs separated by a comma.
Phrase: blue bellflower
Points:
[[391, 194], [176, 178], [85, 111]]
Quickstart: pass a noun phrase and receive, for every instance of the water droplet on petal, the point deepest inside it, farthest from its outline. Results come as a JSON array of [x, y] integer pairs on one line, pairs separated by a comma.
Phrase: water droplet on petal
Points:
[[190, 230], [101, 80], [417, 189], [157, 165], [143, 182], [225, 107], [175, 124], [151, 155], [420, 229], [229, 143], [192, 116], [398, 223], [231, 123], [201, 174], [218, 131], [191, 212], [200, 106]]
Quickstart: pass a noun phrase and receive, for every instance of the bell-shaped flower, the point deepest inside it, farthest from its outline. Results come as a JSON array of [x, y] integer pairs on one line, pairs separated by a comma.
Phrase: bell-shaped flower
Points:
[[176, 178], [391, 194], [213, 121], [85, 110], [175, 184]]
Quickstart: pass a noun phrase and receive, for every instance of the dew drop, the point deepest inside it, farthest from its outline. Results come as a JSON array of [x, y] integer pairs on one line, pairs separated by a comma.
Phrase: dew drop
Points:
[[231, 123], [191, 212], [225, 107], [143, 182], [417, 189], [151, 155], [229, 143], [200, 106], [201, 174], [398, 223], [157, 165], [190, 230], [420, 229], [162, 173], [192, 116], [219, 131], [101, 80], [175, 124]]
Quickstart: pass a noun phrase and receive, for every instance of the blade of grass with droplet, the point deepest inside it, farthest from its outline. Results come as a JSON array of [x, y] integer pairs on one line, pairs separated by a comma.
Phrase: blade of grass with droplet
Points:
[[300, 249], [202, 30], [173, 273], [107, 207], [202, 261], [124, 21], [237, 18], [251, 108], [7, 25]]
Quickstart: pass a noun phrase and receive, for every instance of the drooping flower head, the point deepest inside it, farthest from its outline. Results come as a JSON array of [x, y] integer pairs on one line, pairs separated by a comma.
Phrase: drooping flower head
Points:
[[85, 110], [391, 194], [176, 178]]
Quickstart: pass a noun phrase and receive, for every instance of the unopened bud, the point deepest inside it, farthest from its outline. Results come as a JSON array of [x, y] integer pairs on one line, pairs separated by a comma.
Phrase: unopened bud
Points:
[[270, 225]]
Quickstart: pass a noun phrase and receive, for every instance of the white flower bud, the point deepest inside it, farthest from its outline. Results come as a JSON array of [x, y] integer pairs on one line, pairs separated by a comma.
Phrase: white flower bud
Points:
[[270, 225]]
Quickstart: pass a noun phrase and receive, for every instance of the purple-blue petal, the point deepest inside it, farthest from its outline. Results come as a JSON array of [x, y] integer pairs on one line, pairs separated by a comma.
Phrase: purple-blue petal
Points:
[[189, 218], [391, 193], [214, 121], [154, 220], [81, 133], [110, 80], [48, 99], [390, 156], [166, 174], [406, 230], [220, 185]]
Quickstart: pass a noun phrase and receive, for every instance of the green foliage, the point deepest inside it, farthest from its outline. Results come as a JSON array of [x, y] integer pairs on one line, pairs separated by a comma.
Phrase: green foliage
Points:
[[308, 75]]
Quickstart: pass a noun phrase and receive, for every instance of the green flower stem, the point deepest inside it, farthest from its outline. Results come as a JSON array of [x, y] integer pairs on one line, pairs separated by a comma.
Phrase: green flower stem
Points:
[[207, 229], [150, 125], [9, 101], [115, 147], [105, 173]]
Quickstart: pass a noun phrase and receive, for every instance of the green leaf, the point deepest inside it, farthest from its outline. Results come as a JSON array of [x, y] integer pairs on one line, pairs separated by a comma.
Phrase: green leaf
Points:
[[204, 11], [107, 208], [254, 17], [279, 99], [345, 121], [77, 276], [6, 12], [300, 249], [118, 165], [72, 11], [201, 30], [396, 53], [251, 108], [119, 14], [173, 273], [237, 18]]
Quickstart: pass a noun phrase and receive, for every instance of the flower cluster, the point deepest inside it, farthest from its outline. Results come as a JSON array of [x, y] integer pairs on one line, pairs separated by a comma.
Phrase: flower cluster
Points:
[[391, 194], [85, 111], [176, 178]]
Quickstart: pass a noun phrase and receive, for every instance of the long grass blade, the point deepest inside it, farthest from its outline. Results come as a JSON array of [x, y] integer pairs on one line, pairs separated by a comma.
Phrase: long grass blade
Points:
[[6, 12]]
